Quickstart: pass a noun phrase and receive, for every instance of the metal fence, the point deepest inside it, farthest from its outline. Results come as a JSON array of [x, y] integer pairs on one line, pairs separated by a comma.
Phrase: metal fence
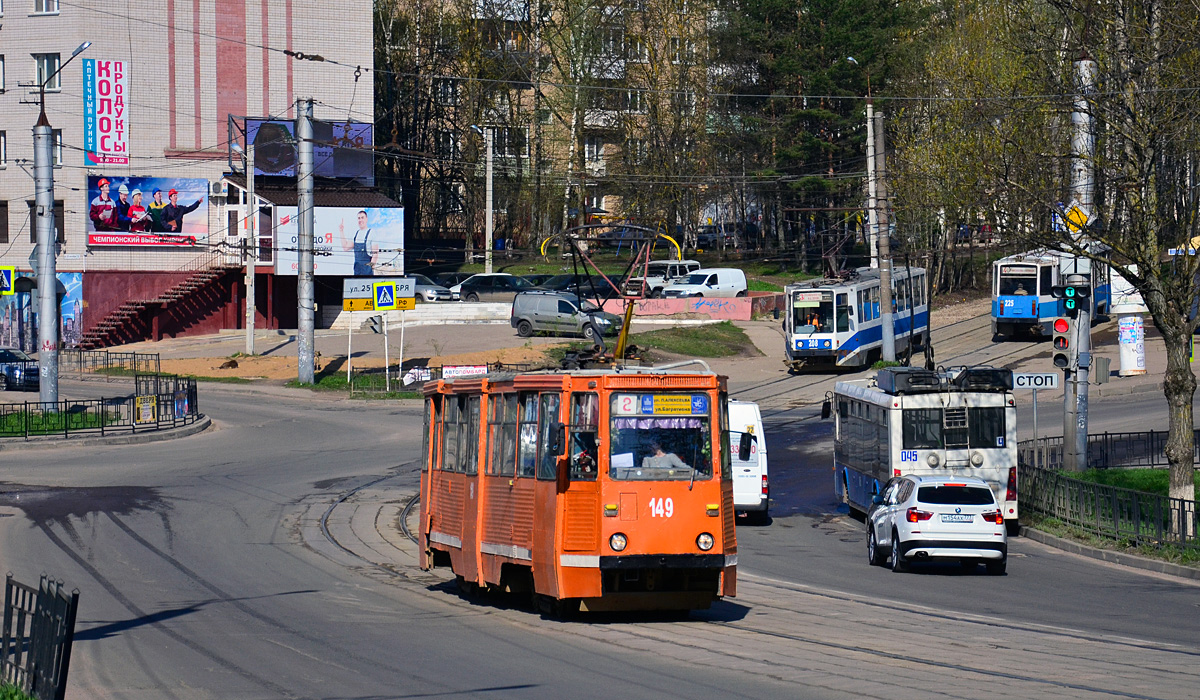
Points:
[[1135, 517], [1104, 450], [105, 365], [39, 627], [169, 402]]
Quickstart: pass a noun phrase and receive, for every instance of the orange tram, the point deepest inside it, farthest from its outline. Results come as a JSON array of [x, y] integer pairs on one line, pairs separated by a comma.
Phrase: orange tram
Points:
[[593, 489]]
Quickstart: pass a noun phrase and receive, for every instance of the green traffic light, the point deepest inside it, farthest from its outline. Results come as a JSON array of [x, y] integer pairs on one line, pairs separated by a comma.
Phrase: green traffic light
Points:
[[1070, 291]]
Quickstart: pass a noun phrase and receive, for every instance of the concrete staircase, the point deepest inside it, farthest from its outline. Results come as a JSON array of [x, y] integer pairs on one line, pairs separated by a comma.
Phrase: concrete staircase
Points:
[[132, 321]]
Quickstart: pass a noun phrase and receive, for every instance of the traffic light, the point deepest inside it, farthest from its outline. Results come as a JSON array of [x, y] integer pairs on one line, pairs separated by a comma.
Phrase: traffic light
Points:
[[376, 324], [1075, 295], [1062, 351]]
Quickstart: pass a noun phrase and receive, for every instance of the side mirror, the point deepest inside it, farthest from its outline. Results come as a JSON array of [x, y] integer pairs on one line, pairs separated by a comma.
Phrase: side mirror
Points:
[[744, 447], [826, 410], [877, 499], [557, 438]]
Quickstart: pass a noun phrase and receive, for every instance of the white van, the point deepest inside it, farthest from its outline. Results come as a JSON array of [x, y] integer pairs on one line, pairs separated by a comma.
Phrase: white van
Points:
[[709, 282], [750, 492], [660, 273]]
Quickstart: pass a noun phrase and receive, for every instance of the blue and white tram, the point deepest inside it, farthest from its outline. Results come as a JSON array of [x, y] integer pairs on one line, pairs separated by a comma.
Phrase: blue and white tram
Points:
[[907, 420], [1021, 299], [837, 322]]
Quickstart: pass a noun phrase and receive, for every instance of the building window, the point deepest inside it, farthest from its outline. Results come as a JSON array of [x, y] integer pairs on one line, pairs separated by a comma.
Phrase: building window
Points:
[[446, 144], [682, 51], [45, 7], [57, 148], [450, 197], [635, 151], [635, 101], [637, 50], [47, 66], [593, 150], [59, 214], [3, 149], [545, 116], [1, 69], [510, 142], [446, 90], [3, 222]]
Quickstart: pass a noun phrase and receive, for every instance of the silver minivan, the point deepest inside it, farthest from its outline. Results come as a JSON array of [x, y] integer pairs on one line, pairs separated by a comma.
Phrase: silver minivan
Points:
[[560, 313], [660, 273]]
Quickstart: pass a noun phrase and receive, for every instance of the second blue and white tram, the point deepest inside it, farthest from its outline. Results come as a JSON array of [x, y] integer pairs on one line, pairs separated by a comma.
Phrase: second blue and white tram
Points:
[[1021, 299], [838, 322], [906, 420]]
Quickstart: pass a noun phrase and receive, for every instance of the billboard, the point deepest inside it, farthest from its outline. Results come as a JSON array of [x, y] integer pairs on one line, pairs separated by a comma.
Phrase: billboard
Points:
[[142, 211], [105, 124], [340, 149], [347, 241], [19, 314]]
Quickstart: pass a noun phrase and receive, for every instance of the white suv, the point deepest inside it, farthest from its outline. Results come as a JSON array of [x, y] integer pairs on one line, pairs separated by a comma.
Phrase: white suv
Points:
[[927, 518]]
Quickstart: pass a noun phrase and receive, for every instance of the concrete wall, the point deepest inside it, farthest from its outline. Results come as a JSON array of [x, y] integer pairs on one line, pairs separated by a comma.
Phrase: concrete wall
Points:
[[738, 309]]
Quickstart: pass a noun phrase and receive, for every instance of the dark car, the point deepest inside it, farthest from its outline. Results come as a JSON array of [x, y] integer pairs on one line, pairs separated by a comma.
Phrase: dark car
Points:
[[589, 288], [19, 371], [449, 279], [494, 287], [538, 279]]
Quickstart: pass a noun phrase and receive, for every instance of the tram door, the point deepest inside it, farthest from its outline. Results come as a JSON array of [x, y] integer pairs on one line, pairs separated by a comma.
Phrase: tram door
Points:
[[581, 502]]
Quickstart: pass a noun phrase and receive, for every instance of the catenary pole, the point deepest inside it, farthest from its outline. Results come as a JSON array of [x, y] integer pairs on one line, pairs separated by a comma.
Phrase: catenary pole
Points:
[[489, 140], [47, 282], [872, 203], [306, 310], [884, 242], [251, 248]]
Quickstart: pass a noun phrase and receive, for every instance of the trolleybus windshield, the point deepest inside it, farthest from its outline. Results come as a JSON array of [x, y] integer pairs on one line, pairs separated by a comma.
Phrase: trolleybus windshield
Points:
[[660, 437]]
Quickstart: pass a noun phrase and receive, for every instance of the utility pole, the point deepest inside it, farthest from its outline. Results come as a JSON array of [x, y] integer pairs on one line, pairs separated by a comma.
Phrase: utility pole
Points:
[[306, 311], [1083, 183], [885, 242], [489, 136], [251, 248], [872, 203], [47, 274]]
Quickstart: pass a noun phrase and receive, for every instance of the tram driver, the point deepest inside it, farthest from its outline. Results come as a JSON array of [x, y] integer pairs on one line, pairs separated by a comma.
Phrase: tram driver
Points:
[[583, 455], [659, 459]]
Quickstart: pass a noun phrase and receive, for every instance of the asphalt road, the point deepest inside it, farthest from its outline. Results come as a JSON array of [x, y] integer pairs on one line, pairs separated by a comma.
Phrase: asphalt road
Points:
[[206, 570]]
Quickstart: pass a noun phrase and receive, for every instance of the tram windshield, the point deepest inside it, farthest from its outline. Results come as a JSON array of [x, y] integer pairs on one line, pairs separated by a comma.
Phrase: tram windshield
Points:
[[812, 312], [660, 437], [1017, 280]]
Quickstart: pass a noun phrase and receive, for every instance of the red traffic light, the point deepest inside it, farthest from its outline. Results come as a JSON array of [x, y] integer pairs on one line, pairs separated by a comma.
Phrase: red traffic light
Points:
[[1061, 343], [1061, 325]]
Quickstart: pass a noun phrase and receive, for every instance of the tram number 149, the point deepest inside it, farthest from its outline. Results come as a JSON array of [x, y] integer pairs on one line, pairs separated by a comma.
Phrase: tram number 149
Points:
[[661, 508]]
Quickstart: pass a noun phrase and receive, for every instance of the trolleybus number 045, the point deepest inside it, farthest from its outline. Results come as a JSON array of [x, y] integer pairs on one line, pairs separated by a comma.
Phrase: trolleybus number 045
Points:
[[908, 455], [661, 508]]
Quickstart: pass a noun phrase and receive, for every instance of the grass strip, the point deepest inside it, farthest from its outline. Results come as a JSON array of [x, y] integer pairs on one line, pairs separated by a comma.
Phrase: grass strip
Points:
[[1156, 481], [712, 340]]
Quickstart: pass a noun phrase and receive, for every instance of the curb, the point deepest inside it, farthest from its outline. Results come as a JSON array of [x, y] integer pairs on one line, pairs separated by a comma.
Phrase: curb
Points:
[[204, 423], [1127, 390], [1124, 559]]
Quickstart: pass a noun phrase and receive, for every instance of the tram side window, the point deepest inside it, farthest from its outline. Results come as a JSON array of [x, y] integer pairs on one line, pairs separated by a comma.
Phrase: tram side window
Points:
[[1047, 280], [986, 427], [922, 428], [874, 302], [843, 313], [450, 434], [468, 436], [508, 437], [527, 444], [919, 291], [430, 423], [548, 416], [495, 418], [585, 443]]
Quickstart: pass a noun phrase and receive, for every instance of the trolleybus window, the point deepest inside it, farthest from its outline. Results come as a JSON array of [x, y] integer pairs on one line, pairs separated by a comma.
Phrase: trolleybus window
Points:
[[527, 443], [547, 418], [660, 437], [986, 426], [585, 426], [922, 428]]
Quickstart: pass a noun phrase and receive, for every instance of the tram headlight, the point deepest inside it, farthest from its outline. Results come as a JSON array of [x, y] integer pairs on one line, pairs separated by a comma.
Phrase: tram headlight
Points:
[[932, 459], [704, 541], [976, 459], [618, 542]]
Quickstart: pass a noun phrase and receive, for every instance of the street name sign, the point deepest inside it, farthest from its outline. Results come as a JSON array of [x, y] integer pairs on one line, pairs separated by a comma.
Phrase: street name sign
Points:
[[364, 287], [1035, 380]]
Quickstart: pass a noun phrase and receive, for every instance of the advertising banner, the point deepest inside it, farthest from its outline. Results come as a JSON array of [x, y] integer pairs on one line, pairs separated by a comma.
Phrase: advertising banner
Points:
[[19, 314], [105, 122], [347, 242], [340, 149], [146, 211]]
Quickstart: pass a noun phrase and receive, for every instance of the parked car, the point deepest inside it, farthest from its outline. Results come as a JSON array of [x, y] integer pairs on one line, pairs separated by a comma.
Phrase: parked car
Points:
[[709, 282], [927, 518], [449, 279], [429, 290], [711, 236], [498, 286], [538, 279], [589, 287], [560, 313], [660, 273], [19, 371]]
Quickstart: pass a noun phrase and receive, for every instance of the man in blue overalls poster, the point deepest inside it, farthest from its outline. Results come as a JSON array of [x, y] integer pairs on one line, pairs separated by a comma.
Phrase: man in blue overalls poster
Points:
[[365, 253]]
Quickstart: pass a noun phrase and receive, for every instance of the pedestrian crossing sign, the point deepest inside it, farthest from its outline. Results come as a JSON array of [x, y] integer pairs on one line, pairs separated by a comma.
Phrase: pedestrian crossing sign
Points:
[[385, 296], [7, 277]]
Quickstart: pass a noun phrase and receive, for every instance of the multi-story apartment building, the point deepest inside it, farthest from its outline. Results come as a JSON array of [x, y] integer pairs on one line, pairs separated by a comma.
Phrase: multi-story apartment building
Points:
[[152, 104]]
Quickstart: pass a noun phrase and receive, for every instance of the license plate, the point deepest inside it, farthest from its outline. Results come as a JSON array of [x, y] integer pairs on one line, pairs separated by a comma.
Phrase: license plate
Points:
[[956, 518]]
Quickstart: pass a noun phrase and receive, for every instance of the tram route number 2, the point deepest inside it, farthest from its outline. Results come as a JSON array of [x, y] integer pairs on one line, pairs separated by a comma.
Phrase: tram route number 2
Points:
[[661, 508], [908, 455]]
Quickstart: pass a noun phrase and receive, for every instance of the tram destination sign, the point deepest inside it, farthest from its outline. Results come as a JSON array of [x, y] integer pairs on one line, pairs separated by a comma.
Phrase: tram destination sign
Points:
[[1035, 380]]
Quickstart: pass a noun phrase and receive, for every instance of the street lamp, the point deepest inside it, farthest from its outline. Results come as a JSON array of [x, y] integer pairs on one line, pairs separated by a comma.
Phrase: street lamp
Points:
[[251, 250], [488, 134], [47, 274]]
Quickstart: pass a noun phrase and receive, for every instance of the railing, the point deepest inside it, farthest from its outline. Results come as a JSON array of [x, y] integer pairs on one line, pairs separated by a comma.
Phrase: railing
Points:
[[39, 628], [171, 402], [104, 364], [1104, 450], [1135, 517]]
